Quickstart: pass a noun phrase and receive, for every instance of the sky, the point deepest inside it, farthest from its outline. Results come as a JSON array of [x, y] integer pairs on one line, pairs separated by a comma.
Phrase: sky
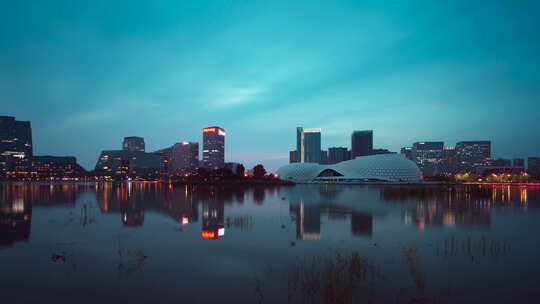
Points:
[[88, 73]]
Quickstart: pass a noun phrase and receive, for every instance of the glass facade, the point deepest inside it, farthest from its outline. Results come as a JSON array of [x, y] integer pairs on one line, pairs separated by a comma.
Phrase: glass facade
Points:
[[184, 158], [213, 147], [361, 143], [15, 137], [309, 145]]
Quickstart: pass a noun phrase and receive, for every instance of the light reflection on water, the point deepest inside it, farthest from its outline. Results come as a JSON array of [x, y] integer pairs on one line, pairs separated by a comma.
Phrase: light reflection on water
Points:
[[446, 243]]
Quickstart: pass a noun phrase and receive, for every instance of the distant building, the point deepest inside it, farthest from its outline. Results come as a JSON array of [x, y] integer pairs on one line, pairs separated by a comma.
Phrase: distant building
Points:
[[213, 147], [337, 155], [449, 159], [382, 151], [488, 170], [48, 167], [165, 156], [324, 157], [429, 157], [133, 143], [471, 154], [519, 162], [502, 162], [123, 162], [407, 152], [184, 158], [15, 137], [293, 157], [308, 145], [533, 166], [361, 143]]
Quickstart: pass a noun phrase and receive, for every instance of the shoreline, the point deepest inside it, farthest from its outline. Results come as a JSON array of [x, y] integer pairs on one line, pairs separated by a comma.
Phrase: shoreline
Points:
[[279, 183]]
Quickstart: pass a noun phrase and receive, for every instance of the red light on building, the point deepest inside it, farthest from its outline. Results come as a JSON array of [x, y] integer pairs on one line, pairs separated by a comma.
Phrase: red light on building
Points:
[[208, 234], [185, 220]]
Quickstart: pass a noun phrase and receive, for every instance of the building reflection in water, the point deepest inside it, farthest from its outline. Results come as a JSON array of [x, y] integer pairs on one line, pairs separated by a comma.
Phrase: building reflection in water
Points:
[[213, 220], [308, 205], [15, 220], [17, 200], [467, 206]]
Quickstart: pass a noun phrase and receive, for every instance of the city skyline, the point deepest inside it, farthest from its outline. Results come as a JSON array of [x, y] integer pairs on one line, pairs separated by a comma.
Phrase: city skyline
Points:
[[164, 71]]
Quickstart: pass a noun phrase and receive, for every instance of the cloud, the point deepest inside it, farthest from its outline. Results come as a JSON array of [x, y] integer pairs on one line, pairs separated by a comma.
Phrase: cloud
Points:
[[234, 96]]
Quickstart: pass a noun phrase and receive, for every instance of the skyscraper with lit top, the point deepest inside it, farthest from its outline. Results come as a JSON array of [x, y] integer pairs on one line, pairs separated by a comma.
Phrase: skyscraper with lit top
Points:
[[213, 147]]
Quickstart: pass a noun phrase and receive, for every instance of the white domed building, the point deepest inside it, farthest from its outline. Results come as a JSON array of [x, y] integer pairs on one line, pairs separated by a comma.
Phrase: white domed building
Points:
[[364, 169]]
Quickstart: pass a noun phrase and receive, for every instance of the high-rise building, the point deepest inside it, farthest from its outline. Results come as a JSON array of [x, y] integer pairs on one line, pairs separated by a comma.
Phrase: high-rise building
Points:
[[449, 158], [324, 157], [337, 155], [165, 156], [471, 154], [533, 166], [407, 152], [213, 147], [361, 143], [308, 145], [519, 162], [15, 137], [184, 158], [133, 143], [428, 156], [293, 156]]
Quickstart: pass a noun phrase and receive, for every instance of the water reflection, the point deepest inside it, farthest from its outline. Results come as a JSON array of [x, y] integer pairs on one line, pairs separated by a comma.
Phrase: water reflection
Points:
[[15, 221], [144, 227]]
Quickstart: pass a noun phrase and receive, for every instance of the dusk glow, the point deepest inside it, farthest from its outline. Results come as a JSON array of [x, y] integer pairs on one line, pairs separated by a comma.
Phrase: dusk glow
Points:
[[249, 151]]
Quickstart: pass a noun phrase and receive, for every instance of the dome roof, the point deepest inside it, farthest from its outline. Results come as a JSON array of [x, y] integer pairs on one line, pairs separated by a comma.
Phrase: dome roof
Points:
[[382, 167]]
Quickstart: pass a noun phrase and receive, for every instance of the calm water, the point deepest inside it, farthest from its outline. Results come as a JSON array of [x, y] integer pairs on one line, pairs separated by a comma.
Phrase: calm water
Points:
[[159, 243]]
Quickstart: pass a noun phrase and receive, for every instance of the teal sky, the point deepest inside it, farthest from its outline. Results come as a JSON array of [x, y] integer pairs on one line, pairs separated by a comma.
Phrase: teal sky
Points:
[[88, 73]]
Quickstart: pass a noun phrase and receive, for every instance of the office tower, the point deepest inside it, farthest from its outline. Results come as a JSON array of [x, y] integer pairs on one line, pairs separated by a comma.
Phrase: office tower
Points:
[[293, 156], [165, 156], [519, 162], [471, 154], [337, 155], [133, 143], [308, 145], [184, 158], [324, 157], [213, 147], [361, 143], [15, 137], [428, 156], [449, 158], [533, 166], [427, 152], [136, 163], [407, 152], [49, 167]]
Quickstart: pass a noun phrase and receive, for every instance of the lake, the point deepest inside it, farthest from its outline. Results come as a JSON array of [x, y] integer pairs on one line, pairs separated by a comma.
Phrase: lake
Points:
[[144, 242]]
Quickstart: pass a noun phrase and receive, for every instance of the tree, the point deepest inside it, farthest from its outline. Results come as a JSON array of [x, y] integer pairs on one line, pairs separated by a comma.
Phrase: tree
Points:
[[259, 171], [240, 171]]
